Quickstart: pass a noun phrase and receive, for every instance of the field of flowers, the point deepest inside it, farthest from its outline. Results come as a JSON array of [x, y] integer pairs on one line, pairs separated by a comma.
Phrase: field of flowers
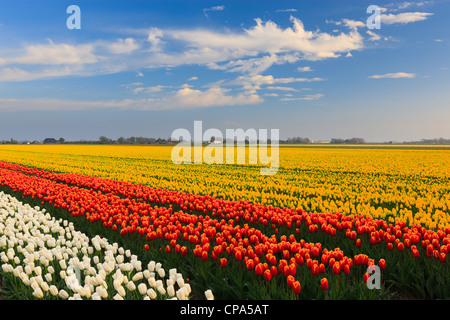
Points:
[[309, 232]]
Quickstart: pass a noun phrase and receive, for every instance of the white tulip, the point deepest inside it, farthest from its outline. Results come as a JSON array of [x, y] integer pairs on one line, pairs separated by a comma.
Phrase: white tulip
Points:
[[48, 277], [34, 284], [170, 291], [80, 290], [117, 283], [151, 293], [180, 282], [62, 264], [53, 290], [161, 290], [121, 291], [103, 292], [152, 282], [209, 295], [39, 279], [128, 253], [138, 276], [96, 296], [157, 266], [38, 293], [7, 268], [142, 288], [50, 270], [131, 286], [84, 291], [118, 297], [45, 286], [151, 266], [181, 294], [120, 259], [161, 272], [38, 270], [146, 274], [173, 272]]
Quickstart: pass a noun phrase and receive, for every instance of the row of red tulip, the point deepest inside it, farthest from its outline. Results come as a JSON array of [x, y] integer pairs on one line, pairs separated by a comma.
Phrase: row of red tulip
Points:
[[213, 225]]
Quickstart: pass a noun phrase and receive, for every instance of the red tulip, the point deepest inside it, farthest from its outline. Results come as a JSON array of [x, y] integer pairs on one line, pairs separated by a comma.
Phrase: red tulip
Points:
[[366, 277], [382, 264], [273, 271], [290, 281], [250, 264], [204, 255], [259, 269], [267, 275], [315, 269], [296, 287], [336, 268], [324, 284], [223, 262]]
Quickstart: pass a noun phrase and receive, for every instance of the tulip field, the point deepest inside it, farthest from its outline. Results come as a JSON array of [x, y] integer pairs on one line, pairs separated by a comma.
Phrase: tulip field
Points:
[[124, 222]]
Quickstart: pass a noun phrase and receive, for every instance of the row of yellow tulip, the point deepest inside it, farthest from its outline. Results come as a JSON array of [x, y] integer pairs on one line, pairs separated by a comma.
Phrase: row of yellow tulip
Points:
[[407, 183]]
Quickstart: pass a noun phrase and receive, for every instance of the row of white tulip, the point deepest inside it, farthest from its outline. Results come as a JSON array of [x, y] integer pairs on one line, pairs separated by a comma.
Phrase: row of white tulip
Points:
[[54, 261]]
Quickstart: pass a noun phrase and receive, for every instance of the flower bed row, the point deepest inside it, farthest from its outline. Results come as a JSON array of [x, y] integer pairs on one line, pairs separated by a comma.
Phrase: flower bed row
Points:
[[46, 258], [266, 240]]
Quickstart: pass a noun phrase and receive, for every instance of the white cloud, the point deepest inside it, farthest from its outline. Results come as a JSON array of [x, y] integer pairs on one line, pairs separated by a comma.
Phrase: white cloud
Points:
[[133, 84], [406, 5], [304, 69], [281, 88], [404, 18], [397, 75], [190, 98], [256, 82], [152, 89], [257, 65], [373, 36], [353, 24], [287, 10], [55, 54], [18, 75], [123, 46], [184, 98], [192, 78], [215, 8], [154, 37], [307, 97], [211, 47]]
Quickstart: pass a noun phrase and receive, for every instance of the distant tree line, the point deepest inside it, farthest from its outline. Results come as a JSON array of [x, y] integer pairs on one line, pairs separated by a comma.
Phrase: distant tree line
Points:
[[431, 141], [296, 140], [347, 141], [144, 140]]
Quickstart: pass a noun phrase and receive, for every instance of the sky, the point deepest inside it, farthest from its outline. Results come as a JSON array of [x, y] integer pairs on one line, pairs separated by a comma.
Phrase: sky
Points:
[[315, 69]]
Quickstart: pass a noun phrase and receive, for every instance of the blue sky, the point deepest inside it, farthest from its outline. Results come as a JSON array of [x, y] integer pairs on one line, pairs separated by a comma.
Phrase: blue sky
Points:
[[145, 68]]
